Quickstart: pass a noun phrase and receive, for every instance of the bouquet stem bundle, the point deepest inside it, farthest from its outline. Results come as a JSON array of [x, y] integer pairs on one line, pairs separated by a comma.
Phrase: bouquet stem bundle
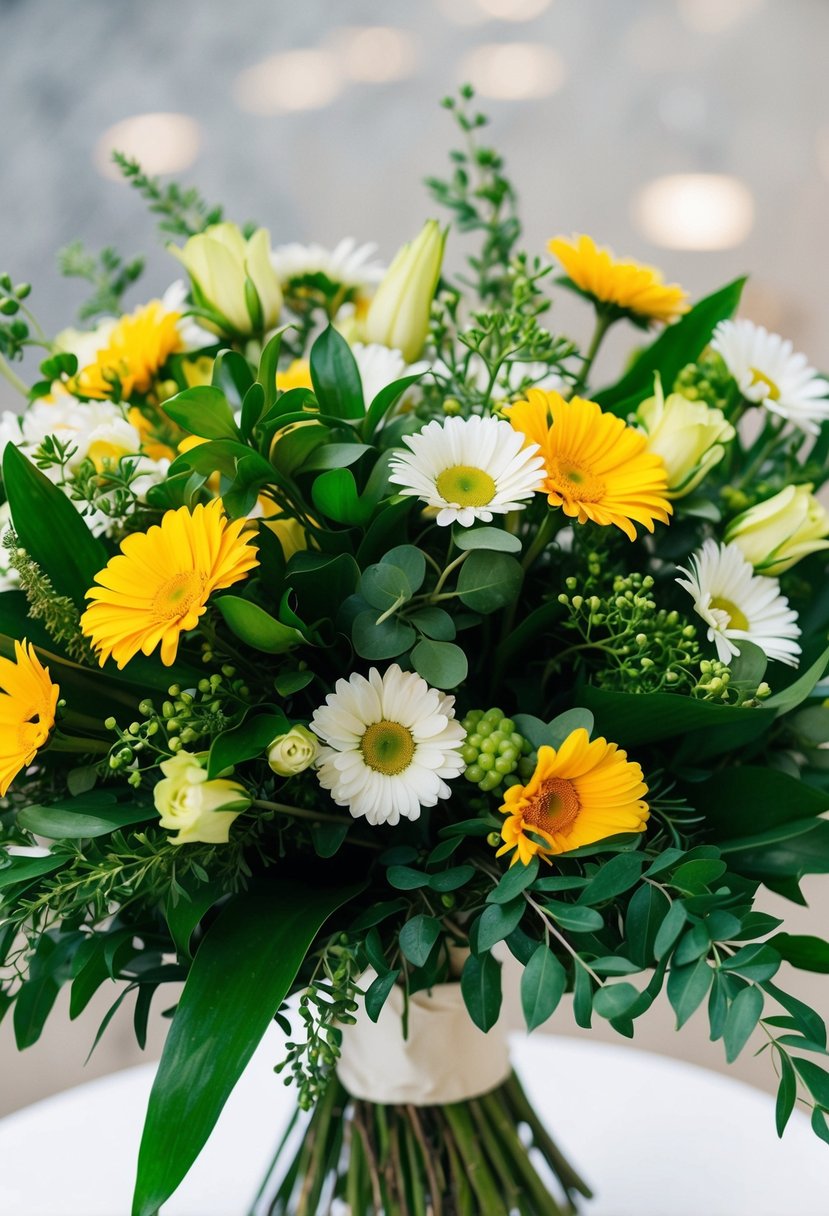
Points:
[[488, 1156]]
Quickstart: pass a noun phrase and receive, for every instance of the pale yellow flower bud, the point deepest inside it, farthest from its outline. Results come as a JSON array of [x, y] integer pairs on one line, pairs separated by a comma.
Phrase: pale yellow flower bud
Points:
[[197, 809], [688, 435], [233, 277], [780, 531], [293, 752], [399, 313]]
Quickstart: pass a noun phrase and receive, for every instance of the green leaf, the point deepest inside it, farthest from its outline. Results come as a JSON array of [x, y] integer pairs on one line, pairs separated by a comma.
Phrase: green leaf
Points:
[[62, 821], [677, 345], [786, 1093], [516, 880], [384, 586], [553, 734], [32, 1007], [801, 688], [268, 362], [23, 869], [322, 582], [631, 719], [335, 495], [328, 838], [688, 988], [613, 878], [434, 623], [646, 912], [481, 990], [335, 376], [615, 1000], [809, 1022], [417, 937], [816, 1080], [385, 400], [404, 878], [802, 950], [497, 921], [741, 1021], [442, 664], [697, 876], [757, 962], [246, 741], [582, 997], [489, 581], [204, 411], [743, 803], [410, 560], [41, 513], [378, 993], [242, 972], [185, 912], [387, 640], [495, 540], [451, 879], [542, 986], [257, 627], [333, 456], [573, 917]]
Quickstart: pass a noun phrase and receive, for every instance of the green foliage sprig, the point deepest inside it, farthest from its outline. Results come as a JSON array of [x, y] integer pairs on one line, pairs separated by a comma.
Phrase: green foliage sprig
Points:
[[183, 212]]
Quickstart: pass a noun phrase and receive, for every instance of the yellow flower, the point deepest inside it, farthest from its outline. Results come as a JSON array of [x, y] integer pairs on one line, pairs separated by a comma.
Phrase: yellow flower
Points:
[[579, 793], [27, 711], [627, 286], [296, 375], [293, 752], [776, 533], [157, 587], [398, 316], [137, 347], [197, 809], [688, 435], [597, 468], [233, 277]]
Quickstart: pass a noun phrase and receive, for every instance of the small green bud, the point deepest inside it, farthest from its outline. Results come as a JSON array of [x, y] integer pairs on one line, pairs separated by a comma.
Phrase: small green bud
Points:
[[110, 723]]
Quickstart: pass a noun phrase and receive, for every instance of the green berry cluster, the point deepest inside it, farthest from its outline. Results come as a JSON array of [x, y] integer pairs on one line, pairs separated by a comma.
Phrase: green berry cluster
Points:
[[493, 748], [708, 380]]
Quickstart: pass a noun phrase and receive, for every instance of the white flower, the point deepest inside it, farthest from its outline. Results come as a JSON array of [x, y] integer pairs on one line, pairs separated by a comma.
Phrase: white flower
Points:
[[771, 373], [469, 468], [196, 809], [381, 365], [737, 604], [348, 264], [293, 752], [391, 743]]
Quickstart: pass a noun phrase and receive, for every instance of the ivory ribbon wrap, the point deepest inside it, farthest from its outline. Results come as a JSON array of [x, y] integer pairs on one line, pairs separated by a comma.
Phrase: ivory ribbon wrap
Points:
[[445, 1059]]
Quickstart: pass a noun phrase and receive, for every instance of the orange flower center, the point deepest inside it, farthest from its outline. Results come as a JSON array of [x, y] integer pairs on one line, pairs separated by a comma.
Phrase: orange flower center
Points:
[[33, 730], [178, 595], [554, 808], [573, 481]]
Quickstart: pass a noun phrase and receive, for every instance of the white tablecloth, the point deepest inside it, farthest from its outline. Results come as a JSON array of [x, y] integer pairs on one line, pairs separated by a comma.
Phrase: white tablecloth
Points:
[[655, 1137]]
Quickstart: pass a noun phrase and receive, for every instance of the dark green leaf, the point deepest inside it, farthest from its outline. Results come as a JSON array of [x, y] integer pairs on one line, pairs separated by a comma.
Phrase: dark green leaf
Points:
[[582, 997], [434, 623], [387, 640], [241, 974], [631, 719], [404, 878], [335, 376], [184, 913], [806, 1020], [32, 1007], [516, 880], [553, 734], [410, 560], [62, 822], [481, 990], [385, 400], [451, 879], [615, 1000], [688, 988], [327, 838], [497, 922], [786, 1093], [542, 986], [816, 1080], [378, 993], [246, 741], [417, 937], [573, 917], [613, 878], [757, 961], [489, 581], [23, 869], [442, 664], [803, 951], [742, 1018], [646, 912]]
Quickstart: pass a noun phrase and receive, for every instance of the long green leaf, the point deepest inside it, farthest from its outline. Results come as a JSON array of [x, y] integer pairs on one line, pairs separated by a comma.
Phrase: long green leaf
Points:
[[242, 972]]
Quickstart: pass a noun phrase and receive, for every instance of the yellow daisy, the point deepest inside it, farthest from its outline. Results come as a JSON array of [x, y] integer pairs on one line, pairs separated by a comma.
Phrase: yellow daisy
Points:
[[158, 586], [597, 468], [27, 711], [137, 348], [627, 286], [295, 375], [579, 793]]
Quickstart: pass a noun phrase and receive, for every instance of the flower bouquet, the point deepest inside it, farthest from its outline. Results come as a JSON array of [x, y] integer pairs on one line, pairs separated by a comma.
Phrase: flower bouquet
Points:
[[356, 637]]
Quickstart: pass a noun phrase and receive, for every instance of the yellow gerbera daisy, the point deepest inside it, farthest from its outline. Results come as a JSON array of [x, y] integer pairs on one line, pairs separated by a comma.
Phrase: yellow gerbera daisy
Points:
[[27, 711], [158, 586], [137, 348], [295, 375], [579, 793], [629, 287], [597, 468]]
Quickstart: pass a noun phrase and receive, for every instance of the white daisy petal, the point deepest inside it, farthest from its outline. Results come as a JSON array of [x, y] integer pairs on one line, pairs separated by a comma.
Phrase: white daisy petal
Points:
[[770, 373], [737, 604], [350, 265], [468, 469], [389, 742]]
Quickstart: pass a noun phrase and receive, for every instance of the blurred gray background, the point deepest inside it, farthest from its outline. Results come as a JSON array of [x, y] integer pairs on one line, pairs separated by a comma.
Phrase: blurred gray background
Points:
[[690, 133]]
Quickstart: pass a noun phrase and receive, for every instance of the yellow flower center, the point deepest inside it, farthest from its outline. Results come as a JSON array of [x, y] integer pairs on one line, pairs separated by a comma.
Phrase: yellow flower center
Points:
[[465, 485], [387, 747], [758, 377], [555, 807], [177, 596], [575, 482], [736, 618]]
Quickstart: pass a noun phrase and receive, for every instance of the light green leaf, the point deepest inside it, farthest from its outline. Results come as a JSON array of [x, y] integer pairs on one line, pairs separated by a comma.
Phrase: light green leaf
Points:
[[493, 539], [257, 627], [442, 664], [489, 581]]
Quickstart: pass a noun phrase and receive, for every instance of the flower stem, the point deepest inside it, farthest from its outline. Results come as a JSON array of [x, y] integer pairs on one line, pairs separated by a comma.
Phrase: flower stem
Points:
[[604, 320], [13, 379], [542, 538]]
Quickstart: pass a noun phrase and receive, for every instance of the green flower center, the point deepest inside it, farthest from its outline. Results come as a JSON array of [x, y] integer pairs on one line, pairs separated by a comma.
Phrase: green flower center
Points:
[[465, 485], [387, 747], [758, 377], [736, 618]]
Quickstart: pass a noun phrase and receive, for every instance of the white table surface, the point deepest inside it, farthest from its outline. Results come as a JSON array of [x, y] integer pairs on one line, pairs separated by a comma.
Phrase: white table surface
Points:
[[654, 1137]]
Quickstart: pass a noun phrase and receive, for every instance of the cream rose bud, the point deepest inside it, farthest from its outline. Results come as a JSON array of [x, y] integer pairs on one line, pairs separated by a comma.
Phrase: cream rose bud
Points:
[[293, 752], [399, 313], [688, 435], [233, 277], [197, 809], [778, 532]]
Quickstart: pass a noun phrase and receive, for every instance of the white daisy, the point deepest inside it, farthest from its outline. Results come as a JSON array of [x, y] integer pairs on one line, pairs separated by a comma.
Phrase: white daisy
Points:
[[382, 365], [468, 468], [771, 373], [737, 604], [390, 744], [348, 264]]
